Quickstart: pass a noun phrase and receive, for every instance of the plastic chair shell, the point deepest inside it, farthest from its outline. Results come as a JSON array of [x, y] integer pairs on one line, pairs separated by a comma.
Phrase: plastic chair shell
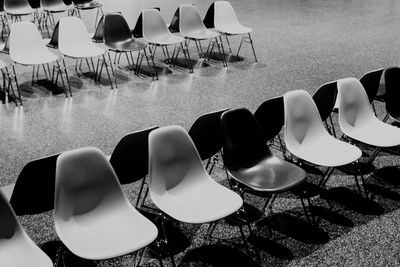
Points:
[[92, 216], [27, 46], [179, 184], [155, 30], [74, 40], [16, 248], [225, 19], [306, 136], [191, 25], [357, 119]]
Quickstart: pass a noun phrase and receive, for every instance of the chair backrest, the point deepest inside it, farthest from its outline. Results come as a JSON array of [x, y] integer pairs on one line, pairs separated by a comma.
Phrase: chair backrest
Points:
[[15, 4], [206, 133], [86, 185], [25, 41], [392, 94], [116, 29], [72, 31], [50, 3], [354, 105], [370, 81], [303, 123], [131, 156], [325, 99], [224, 14], [34, 189], [243, 145], [16, 248], [270, 117], [209, 17], [153, 25], [189, 19], [174, 163]]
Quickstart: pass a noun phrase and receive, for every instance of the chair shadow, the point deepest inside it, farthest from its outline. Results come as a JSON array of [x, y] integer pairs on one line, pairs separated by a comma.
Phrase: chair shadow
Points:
[[271, 247], [51, 248], [353, 201], [295, 228], [389, 175], [250, 214], [217, 255], [177, 240], [362, 168], [382, 191], [331, 216]]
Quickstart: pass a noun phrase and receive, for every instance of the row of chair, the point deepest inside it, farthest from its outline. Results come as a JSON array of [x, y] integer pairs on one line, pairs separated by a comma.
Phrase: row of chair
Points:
[[114, 31], [178, 182]]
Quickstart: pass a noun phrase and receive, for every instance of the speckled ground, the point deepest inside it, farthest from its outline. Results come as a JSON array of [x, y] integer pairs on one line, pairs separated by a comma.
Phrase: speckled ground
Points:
[[300, 44]]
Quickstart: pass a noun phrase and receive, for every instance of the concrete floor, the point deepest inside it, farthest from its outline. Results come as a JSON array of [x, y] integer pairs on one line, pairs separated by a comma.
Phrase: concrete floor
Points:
[[300, 44]]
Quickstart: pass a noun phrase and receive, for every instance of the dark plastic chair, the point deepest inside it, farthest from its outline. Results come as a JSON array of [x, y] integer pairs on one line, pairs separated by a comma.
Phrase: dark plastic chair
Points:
[[206, 134], [34, 189], [130, 158], [392, 94], [325, 99], [86, 5], [270, 117], [370, 82], [118, 38], [249, 161]]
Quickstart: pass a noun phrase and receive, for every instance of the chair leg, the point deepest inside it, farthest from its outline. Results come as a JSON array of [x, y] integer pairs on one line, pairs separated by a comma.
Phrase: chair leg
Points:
[[186, 54], [140, 192], [326, 176], [268, 202], [108, 72], [64, 67], [13, 75], [227, 41]]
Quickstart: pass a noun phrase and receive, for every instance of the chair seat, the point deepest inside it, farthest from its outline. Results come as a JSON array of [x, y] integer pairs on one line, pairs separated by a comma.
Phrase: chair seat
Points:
[[270, 175], [26, 253], [115, 232], [167, 40], [206, 202], [59, 7], [234, 29], [83, 50], [22, 11], [127, 45], [201, 34], [37, 58], [327, 151], [375, 132], [89, 5]]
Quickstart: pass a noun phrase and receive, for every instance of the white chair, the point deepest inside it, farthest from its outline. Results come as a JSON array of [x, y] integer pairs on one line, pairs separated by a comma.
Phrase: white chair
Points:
[[28, 48], [226, 23], [358, 121], [51, 7], [307, 138], [16, 248], [156, 33], [92, 216], [180, 186], [192, 28], [74, 42]]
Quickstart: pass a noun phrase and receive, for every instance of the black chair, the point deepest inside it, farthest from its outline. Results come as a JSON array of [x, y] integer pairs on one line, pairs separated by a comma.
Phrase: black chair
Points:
[[392, 94], [118, 38], [86, 5], [270, 118], [130, 158], [325, 99], [206, 134], [371, 81], [34, 189], [251, 164]]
